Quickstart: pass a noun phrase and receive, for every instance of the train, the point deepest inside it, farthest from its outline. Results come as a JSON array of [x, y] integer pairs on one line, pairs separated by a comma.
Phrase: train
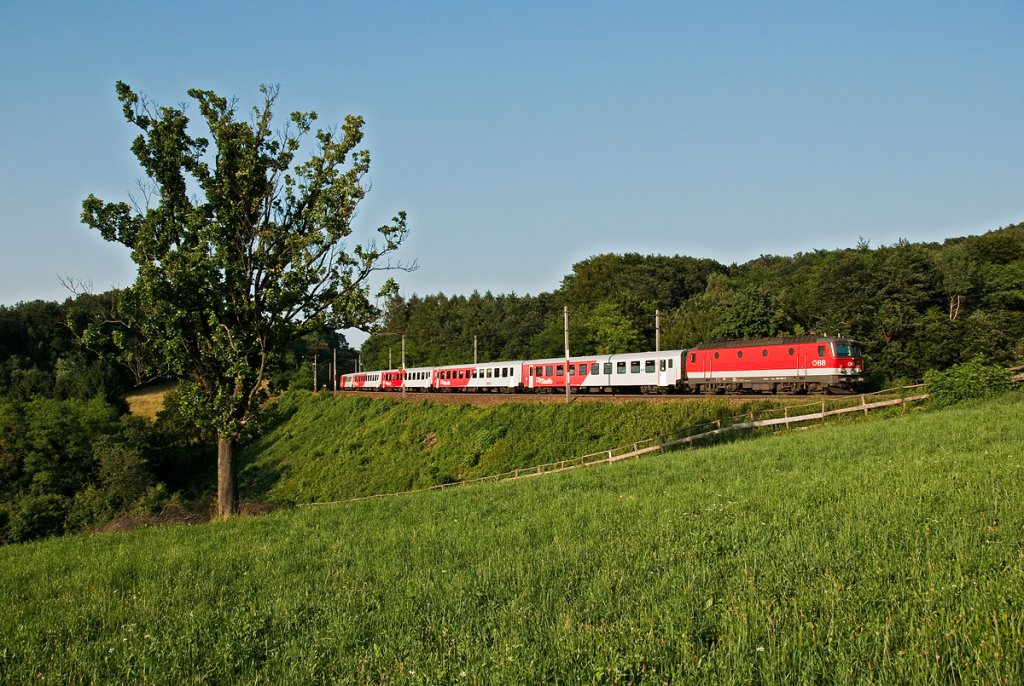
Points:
[[790, 364]]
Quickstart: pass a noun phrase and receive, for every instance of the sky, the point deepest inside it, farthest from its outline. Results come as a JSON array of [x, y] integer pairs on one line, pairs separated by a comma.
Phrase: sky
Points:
[[524, 137]]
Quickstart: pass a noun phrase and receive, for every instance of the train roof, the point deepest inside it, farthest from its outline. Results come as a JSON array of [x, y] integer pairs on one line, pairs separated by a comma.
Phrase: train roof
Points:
[[776, 340]]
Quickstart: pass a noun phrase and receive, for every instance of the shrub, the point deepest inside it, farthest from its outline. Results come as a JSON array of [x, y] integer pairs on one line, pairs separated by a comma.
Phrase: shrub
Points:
[[967, 381], [38, 516]]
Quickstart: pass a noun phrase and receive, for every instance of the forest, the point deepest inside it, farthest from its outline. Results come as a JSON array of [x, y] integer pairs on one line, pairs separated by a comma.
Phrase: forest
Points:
[[915, 307], [72, 457]]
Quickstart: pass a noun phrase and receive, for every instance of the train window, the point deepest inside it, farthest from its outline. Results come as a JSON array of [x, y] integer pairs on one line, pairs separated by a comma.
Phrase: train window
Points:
[[716, 356], [764, 352], [607, 367], [821, 351], [560, 370], [791, 351], [693, 357], [739, 353], [548, 370], [649, 366], [634, 367], [620, 367], [842, 350], [572, 370], [504, 372], [670, 363], [594, 368], [663, 365]]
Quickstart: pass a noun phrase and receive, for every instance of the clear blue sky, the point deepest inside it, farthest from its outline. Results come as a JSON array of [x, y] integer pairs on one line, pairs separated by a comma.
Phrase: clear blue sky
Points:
[[524, 137]]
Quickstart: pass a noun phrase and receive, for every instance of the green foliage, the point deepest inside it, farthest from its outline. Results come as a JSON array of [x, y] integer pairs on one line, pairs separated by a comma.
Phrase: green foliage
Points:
[[243, 251], [967, 381], [41, 354], [883, 552], [38, 516], [67, 465]]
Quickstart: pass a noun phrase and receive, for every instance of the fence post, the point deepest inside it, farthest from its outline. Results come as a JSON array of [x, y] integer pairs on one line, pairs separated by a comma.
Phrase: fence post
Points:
[[864, 402]]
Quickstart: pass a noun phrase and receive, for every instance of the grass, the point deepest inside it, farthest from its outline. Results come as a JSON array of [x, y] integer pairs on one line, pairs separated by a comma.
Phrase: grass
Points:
[[323, 448], [148, 401], [877, 552]]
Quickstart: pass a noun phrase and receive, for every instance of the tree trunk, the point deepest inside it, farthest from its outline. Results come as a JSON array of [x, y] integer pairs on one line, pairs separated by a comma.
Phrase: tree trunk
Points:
[[227, 483]]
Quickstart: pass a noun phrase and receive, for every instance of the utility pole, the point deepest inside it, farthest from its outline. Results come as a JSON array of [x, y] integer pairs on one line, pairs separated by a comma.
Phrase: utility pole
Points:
[[402, 375], [474, 349], [657, 331], [314, 372], [568, 390], [334, 371]]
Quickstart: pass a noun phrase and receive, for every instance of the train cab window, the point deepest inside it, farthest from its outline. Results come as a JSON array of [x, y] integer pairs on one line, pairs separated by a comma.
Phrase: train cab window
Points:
[[844, 350], [649, 366], [620, 367], [634, 367], [821, 351], [608, 368], [594, 368]]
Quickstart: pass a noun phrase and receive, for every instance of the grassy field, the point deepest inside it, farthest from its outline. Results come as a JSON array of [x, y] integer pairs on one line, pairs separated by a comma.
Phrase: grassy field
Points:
[[321, 448], [148, 401], [886, 552]]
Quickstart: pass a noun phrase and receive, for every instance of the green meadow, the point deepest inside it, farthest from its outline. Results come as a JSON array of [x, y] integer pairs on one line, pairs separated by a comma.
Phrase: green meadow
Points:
[[871, 552], [320, 448]]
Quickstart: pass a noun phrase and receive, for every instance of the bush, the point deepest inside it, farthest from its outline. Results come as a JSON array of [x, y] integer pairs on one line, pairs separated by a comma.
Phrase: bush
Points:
[[966, 381], [38, 516]]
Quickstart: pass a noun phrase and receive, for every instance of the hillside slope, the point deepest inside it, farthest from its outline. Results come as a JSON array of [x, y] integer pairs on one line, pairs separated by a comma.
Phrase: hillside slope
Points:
[[320, 448], [880, 552]]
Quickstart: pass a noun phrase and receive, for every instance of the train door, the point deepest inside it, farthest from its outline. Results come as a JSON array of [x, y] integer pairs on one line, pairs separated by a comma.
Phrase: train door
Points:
[[666, 373]]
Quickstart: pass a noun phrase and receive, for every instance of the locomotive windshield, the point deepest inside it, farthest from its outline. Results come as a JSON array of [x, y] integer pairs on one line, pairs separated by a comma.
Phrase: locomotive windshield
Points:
[[847, 349]]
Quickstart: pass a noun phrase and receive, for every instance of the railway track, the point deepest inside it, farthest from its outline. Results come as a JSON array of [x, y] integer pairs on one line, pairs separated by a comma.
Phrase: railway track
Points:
[[469, 398]]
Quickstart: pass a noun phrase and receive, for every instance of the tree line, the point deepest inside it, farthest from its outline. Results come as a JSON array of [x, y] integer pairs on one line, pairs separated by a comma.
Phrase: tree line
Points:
[[915, 306], [71, 456]]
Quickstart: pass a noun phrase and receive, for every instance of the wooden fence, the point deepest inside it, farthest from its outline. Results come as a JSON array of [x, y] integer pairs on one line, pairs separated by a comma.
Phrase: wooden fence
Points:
[[822, 410]]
